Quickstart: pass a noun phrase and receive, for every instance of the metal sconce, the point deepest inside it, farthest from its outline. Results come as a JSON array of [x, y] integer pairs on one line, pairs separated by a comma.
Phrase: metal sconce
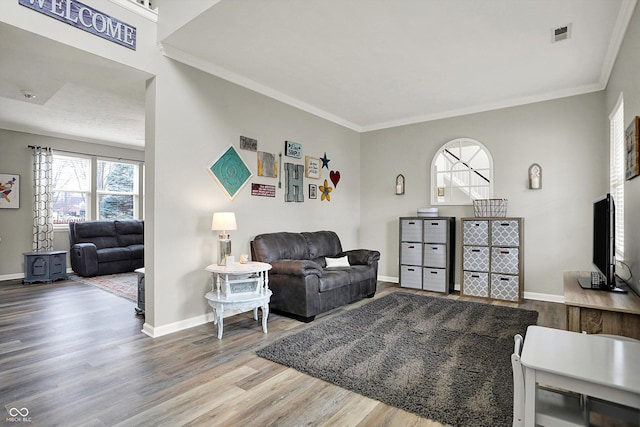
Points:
[[400, 184], [535, 177]]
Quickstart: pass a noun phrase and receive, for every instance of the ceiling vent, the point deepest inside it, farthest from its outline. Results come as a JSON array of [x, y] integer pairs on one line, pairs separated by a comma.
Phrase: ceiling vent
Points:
[[560, 33]]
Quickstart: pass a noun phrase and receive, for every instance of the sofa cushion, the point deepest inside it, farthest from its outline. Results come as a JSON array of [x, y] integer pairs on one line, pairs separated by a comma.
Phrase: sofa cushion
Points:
[[323, 244], [333, 279], [100, 233], [113, 254], [137, 251], [359, 273], [271, 247], [129, 232]]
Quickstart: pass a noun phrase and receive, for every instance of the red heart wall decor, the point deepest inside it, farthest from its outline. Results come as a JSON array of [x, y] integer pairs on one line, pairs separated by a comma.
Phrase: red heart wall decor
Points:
[[335, 177]]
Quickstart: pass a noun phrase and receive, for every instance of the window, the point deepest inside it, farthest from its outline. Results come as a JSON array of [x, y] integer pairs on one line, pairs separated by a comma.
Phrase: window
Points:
[[461, 171], [616, 171], [87, 188]]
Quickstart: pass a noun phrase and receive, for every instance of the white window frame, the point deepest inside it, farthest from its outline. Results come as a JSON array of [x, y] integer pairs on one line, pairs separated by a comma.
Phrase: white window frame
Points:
[[136, 186], [616, 171]]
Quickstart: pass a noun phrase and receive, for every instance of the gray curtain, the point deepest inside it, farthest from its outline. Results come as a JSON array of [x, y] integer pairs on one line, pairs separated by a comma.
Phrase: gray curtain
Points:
[[42, 199]]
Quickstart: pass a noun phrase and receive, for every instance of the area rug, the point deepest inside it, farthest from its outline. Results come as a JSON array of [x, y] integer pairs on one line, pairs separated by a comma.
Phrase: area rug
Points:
[[442, 359], [124, 285]]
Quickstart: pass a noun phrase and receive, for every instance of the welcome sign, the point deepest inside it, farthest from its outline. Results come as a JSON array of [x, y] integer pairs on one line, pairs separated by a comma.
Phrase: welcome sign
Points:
[[86, 18]]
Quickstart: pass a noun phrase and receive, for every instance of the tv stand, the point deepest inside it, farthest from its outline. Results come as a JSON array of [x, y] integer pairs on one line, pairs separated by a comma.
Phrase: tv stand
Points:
[[600, 312]]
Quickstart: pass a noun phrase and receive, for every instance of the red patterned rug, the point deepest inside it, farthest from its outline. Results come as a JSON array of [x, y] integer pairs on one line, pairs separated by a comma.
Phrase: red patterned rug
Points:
[[124, 285]]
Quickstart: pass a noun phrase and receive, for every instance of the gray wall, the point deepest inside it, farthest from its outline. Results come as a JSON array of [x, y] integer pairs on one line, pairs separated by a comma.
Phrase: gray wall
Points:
[[567, 137]]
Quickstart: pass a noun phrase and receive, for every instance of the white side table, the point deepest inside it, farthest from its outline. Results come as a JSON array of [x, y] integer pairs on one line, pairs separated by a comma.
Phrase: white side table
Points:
[[239, 287]]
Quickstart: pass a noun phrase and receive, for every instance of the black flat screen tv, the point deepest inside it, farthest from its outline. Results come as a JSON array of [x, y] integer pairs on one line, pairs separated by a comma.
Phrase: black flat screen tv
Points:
[[603, 249]]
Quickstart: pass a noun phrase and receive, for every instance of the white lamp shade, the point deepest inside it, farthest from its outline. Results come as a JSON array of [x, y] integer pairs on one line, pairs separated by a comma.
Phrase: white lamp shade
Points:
[[224, 221]]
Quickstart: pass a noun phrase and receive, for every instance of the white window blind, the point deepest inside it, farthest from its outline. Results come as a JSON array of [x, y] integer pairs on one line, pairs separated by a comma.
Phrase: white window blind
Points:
[[616, 172]]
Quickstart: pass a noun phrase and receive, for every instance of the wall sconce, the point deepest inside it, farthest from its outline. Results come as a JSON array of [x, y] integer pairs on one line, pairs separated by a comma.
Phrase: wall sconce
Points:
[[535, 177], [223, 221], [400, 184]]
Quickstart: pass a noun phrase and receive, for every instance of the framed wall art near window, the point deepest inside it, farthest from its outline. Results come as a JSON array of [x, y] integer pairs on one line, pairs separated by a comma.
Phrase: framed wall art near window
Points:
[[632, 149], [312, 167], [230, 172], [9, 190]]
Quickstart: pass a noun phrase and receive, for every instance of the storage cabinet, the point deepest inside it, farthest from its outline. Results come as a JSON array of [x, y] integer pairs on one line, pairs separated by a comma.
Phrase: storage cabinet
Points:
[[492, 258], [427, 253], [45, 266]]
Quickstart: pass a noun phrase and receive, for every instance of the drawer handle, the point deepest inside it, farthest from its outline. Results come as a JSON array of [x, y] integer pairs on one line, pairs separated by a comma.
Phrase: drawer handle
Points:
[[504, 279], [434, 248], [475, 250], [435, 223], [411, 269], [434, 272], [412, 223], [411, 247], [475, 276], [504, 224], [504, 252]]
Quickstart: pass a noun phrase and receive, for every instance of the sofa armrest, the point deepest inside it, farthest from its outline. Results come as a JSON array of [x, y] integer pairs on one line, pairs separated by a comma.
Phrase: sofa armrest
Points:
[[362, 256], [84, 259], [296, 267]]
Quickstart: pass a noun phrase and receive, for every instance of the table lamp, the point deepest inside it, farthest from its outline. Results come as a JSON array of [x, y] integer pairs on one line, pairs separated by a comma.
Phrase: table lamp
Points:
[[223, 221]]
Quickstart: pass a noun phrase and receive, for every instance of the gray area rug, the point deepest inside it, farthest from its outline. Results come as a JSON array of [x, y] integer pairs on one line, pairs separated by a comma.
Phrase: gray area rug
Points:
[[442, 359]]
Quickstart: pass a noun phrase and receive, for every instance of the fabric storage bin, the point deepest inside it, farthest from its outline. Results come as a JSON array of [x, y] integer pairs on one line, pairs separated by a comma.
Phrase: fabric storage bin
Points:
[[411, 253], [505, 287], [505, 233], [476, 284], [476, 258], [434, 279], [411, 277], [475, 232], [505, 260], [411, 230], [435, 231], [435, 255]]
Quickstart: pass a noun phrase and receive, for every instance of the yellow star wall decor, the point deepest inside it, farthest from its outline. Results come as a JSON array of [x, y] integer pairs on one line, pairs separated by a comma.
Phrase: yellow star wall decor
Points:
[[326, 191]]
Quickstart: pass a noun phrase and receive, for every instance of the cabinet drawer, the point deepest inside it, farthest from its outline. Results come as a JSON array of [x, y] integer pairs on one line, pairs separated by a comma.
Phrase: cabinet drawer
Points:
[[411, 230], [435, 256], [505, 260], [475, 258], [476, 284], [411, 277], [435, 231], [505, 233], [475, 232], [411, 253], [505, 287], [434, 279]]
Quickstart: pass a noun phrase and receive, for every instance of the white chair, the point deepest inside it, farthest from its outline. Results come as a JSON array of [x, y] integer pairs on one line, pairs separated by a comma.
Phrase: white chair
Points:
[[553, 407]]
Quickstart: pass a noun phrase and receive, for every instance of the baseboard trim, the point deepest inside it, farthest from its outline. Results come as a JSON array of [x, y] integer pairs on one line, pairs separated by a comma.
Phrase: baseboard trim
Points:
[[158, 331], [388, 279], [11, 276]]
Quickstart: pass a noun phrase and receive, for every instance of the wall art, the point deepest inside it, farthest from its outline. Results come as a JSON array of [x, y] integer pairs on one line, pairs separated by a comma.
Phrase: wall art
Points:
[[230, 172], [313, 191], [326, 191], [267, 164], [312, 166], [334, 176], [9, 190], [263, 190], [294, 177], [248, 144], [292, 149], [325, 161], [632, 149]]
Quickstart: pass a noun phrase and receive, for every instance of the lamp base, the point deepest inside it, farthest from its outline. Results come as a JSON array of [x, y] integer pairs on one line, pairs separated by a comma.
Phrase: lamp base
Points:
[[224, 249]]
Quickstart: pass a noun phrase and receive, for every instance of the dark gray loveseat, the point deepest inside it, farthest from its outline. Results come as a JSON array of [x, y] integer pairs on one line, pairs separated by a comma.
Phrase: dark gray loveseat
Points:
[[106, 247], [302, 284]]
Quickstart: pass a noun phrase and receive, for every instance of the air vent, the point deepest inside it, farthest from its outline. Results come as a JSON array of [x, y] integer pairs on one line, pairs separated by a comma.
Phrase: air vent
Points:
[[560, 33]]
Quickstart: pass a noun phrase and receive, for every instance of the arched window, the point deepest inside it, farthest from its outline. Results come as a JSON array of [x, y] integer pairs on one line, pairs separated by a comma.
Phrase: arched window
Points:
[[461, 171]]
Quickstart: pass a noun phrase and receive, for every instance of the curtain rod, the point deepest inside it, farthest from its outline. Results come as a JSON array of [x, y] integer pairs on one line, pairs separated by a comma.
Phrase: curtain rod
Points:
[[84, 154]]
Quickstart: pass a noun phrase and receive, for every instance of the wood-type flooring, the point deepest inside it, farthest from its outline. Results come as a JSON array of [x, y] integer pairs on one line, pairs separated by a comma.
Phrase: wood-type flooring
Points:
[[72, 355]]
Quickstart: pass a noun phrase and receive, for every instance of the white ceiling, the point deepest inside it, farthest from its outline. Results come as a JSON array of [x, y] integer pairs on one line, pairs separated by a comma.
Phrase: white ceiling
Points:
[[366, 64]]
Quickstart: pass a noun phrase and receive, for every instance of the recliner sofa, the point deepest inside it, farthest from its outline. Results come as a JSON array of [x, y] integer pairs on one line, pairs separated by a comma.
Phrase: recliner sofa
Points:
[[302, 284], [106, 247]]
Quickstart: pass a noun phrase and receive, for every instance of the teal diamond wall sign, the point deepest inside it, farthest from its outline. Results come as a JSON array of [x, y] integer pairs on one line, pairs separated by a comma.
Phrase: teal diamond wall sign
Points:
[[230, 172]]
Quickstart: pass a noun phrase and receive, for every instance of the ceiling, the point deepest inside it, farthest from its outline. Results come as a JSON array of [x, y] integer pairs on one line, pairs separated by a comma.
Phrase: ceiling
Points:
[[365, 64]]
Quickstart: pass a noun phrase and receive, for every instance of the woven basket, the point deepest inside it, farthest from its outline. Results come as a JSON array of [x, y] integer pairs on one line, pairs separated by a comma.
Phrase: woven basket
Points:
[[490, 207]]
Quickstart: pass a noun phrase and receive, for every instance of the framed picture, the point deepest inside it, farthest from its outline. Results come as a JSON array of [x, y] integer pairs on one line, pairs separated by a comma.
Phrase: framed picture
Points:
[[292, 149], [267, 164], [312, 167], [230, 172], [249, 144], [632, 149], [9, 190], [313, 191]]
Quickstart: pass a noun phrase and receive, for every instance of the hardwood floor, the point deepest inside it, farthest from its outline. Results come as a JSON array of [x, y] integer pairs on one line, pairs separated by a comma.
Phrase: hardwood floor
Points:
[[74, 355]]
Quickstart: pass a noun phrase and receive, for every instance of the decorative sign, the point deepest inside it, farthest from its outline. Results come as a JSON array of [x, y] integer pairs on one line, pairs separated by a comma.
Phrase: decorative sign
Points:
[[313, 191], [312, 167], [9, 191], [263, 190], [326, 191], [293, 182], [292, 149], [335, 177], [231, 172], [249, 144], [267, 165], [86, 18]]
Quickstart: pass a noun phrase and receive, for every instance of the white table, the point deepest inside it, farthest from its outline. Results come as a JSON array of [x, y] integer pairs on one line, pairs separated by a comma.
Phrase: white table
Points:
[[594, 365], [239, 287]]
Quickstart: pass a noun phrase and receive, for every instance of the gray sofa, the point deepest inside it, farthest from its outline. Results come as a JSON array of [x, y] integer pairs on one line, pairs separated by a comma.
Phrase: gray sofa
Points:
[[106, 247], [302, 284]]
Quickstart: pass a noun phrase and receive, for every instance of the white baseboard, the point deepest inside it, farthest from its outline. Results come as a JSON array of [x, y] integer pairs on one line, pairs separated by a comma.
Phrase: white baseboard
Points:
[[388, 279], [11, 276], [155, 332]]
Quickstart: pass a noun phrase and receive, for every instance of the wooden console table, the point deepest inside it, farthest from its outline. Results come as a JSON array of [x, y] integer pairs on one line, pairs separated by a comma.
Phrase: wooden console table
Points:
[[600, 312]]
